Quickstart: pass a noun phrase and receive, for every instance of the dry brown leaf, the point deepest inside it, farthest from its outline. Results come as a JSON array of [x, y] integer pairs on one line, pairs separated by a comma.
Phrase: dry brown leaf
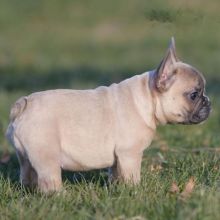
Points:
[[215, 168], [164, 148], [151, 167], [174, 188], [188, 188], [156, 167], [5, 158]]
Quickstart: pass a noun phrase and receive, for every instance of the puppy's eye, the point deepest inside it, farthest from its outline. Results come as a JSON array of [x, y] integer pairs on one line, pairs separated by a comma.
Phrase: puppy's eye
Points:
[[194, 95]]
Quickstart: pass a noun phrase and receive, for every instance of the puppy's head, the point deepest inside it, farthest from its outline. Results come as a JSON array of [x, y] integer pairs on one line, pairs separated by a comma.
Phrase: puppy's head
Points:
[[180, 89]]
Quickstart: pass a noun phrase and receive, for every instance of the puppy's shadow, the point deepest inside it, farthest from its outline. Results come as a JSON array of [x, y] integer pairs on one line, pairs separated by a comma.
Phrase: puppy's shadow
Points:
[[96, 176], [10, 170]]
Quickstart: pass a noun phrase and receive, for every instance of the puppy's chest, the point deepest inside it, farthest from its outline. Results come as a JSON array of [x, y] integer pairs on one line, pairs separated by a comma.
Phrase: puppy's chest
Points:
[[136, 137]]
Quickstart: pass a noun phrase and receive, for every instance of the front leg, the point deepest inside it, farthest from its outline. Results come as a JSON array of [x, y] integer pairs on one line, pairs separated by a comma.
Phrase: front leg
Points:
[[127, 168]]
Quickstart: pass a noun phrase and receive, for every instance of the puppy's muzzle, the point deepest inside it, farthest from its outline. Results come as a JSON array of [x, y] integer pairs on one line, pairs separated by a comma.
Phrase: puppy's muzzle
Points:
[[204, 109]]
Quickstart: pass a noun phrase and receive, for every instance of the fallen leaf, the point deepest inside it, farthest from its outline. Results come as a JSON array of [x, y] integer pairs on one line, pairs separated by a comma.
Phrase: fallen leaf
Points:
[[174, 188], [164, 148], [157, 167], [216, 168], [188, 188]]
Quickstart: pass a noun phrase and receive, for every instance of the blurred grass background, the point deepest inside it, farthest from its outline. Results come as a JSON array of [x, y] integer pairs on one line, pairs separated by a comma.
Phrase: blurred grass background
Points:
[[84, 44]]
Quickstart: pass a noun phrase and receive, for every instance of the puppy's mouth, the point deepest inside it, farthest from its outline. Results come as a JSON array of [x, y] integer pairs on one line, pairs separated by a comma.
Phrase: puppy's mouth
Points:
[[200, 114]]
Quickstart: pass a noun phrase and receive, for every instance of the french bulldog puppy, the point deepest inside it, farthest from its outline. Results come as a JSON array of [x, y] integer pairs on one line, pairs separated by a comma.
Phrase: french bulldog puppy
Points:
[[111, 126]]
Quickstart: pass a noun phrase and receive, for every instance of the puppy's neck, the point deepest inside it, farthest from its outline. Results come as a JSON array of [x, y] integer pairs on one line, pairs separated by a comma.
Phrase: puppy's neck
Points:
[[159, 114]]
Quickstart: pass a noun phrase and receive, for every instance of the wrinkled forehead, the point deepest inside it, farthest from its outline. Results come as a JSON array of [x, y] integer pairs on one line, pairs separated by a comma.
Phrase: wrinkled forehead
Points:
[[191, 76]]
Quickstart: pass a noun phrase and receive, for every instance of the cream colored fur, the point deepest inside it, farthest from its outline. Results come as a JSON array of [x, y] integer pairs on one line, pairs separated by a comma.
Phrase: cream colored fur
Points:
[[83, 130]]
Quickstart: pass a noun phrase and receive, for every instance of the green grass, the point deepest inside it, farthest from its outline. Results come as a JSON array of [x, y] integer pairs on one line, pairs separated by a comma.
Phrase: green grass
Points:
[[92, 198], [83, 44]]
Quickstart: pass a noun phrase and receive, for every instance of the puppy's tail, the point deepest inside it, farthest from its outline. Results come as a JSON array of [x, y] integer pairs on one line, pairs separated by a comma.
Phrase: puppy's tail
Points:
[[18, 108]]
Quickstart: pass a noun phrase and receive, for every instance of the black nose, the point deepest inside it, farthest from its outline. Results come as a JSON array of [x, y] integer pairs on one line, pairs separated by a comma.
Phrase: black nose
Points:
[[206, 101]]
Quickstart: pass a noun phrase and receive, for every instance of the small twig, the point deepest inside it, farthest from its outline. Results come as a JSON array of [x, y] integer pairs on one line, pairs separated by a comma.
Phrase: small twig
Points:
[[194, 150]]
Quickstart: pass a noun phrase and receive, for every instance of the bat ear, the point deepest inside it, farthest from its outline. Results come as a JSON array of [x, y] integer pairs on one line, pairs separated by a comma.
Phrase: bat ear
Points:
[[164, 73]]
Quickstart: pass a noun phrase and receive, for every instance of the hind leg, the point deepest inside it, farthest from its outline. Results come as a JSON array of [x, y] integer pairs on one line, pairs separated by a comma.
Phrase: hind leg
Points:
[[49, 177], [28, 176], [47, 166]]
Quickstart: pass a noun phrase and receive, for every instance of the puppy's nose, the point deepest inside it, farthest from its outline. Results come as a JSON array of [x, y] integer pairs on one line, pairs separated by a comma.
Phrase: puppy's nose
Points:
[[206, 101]]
